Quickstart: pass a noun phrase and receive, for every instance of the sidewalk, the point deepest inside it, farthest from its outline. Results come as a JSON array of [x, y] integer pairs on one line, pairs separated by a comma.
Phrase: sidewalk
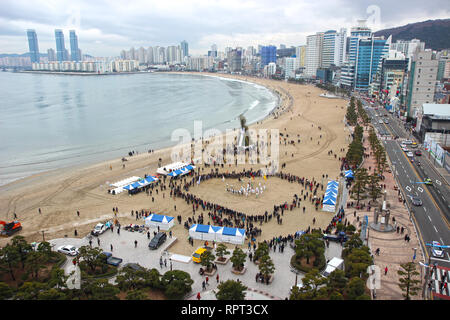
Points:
[[394, 250]]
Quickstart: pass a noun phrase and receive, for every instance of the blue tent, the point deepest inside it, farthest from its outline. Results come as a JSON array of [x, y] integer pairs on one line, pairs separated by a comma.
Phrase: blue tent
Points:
[[158, 220], [349, 174]]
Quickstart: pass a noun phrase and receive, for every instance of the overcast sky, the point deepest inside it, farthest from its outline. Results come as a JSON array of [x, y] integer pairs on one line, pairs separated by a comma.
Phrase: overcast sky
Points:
[[105, 27]]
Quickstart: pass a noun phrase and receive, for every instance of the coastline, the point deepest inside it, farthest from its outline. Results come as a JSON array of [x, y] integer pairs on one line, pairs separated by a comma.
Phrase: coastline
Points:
[[60, 193]]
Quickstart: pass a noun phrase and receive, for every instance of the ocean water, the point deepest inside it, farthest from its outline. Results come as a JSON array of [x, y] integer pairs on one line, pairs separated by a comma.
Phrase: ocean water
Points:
[[54, 121]]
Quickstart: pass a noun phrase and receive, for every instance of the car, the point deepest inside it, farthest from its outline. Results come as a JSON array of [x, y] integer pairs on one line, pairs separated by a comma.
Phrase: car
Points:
[[437, 251], [405, 150], [414, 145], [157, 240], [134, 266], [69, 250], [417, 153], [386, 121], [196, 256], [410, 154], [380, 121], [114, 261], [428, 181], [416, 201], [99, 229], [407, 142]]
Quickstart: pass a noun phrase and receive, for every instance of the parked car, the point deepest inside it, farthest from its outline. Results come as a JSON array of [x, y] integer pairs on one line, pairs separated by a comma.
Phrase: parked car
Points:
[[69, 250], [437, 251], [416, 201], [100, 228], [114, 261], [197, 254], [157, 240], [418, 153], [338, 238]]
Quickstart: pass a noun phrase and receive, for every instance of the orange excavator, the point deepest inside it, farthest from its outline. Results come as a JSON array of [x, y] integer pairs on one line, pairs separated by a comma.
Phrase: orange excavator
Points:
[[8, 229]]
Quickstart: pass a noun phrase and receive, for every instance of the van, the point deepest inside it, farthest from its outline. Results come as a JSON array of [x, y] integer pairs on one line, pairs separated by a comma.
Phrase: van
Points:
[[196, 255], [333, 264], [158, 240]]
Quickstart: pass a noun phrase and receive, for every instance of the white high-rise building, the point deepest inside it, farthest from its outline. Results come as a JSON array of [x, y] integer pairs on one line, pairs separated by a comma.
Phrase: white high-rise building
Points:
[[334, 47], [290, 65], [149, 57], [313, 55], [141, 55], [408, 48]]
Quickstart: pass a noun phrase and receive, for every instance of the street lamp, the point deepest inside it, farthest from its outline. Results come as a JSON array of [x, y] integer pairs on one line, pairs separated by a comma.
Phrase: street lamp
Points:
[[43, 238]]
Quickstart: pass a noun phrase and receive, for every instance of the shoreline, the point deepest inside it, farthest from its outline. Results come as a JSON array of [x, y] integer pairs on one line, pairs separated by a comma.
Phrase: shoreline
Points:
[[60, 193], [277, 98]]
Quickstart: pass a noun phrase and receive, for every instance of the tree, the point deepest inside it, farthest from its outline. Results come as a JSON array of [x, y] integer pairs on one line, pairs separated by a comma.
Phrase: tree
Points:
[[91, 257], [238, 259], [58, 278], [357, 261], [356, 288], [9, 259], [221, 251], [313, 287], [99, 289], [22, 247], [137, 295], [262, 250], [176, 283], [35, 262], [360, 183], [373, 186], [407, 282], [310, 245], [5, 291], [46, 249], [51, 294], [207, 257], [231, 290], [266, 266], [336, 282], [30, 290]]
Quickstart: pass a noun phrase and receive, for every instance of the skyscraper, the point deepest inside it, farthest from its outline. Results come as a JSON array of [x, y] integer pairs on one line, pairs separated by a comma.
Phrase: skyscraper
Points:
[[74, 52], [33, 45], [268, 54], [60, 47], [51, 55], [184, 49], [333, 48], [313, 55], [361, 31]]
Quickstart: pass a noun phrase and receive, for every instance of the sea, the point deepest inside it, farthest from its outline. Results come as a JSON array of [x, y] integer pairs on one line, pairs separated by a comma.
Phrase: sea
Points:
[[52, 121]]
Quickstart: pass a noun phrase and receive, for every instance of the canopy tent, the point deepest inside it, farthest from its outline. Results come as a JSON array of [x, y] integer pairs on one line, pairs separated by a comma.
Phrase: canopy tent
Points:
[[161, 221], [176, 166], [141, 183], [181, 171], [330, 198], [218, 234], [125, 182], [349, 174]]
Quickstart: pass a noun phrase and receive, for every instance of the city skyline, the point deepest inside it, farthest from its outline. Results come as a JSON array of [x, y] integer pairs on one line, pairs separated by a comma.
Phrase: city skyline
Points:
[[231, 23]]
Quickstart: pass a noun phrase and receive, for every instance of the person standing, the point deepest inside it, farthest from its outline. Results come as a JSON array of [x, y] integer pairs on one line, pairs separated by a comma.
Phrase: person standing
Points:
[[198, 296], [135, 243], [217, 278], [385, 270], [98, 241], [111, 247]]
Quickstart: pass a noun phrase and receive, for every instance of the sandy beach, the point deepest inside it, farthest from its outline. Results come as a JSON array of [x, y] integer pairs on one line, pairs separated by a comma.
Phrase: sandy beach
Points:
[[61, 193]]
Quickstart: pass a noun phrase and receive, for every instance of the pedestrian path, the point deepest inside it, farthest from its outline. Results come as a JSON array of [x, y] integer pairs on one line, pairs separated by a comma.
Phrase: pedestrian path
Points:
[[440, 283]]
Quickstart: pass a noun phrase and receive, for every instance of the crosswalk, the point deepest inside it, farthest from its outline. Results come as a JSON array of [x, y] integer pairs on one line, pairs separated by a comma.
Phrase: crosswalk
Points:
[[439, 277]]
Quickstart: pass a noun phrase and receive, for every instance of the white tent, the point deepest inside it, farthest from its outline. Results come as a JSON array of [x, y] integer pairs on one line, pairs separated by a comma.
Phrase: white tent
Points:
[[218, 234], [161, 221]]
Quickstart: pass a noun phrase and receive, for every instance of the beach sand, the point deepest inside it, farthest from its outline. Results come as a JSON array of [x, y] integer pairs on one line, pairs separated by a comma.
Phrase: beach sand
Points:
[[60, 193]]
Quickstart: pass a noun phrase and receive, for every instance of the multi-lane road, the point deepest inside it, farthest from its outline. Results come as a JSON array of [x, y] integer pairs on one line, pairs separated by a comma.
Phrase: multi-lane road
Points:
[[432, 217]]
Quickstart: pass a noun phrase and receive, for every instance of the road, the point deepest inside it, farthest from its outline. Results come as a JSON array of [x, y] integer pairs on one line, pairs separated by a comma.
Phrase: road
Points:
[[431, 219]]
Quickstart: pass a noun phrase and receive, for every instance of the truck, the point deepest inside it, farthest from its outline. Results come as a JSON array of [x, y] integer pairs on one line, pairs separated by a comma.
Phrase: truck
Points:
[[9, 228], [114, 261], [101, 228], [333, 264], [340, 237]]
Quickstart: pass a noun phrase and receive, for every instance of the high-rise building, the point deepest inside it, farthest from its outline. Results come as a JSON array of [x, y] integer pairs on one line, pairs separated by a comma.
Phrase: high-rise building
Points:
[[408, 48], [184, 49], [313, 55], [51, 55], [268, 54], [141, 55], [333, 48], [422, 80], [149, 57], [290, 65], [61, 54], [234, 58], [369, 53], [33, 46], [74, 51], [300, 52], [361, 31]]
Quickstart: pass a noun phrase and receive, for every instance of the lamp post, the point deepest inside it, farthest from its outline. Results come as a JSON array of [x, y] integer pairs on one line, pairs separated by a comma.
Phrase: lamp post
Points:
[[43, 238]]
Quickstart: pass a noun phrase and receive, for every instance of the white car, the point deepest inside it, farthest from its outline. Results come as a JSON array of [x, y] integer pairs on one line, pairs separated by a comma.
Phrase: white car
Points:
[[99, 229], [68, 249], [409, 154], [437, 251], [405, 150]]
